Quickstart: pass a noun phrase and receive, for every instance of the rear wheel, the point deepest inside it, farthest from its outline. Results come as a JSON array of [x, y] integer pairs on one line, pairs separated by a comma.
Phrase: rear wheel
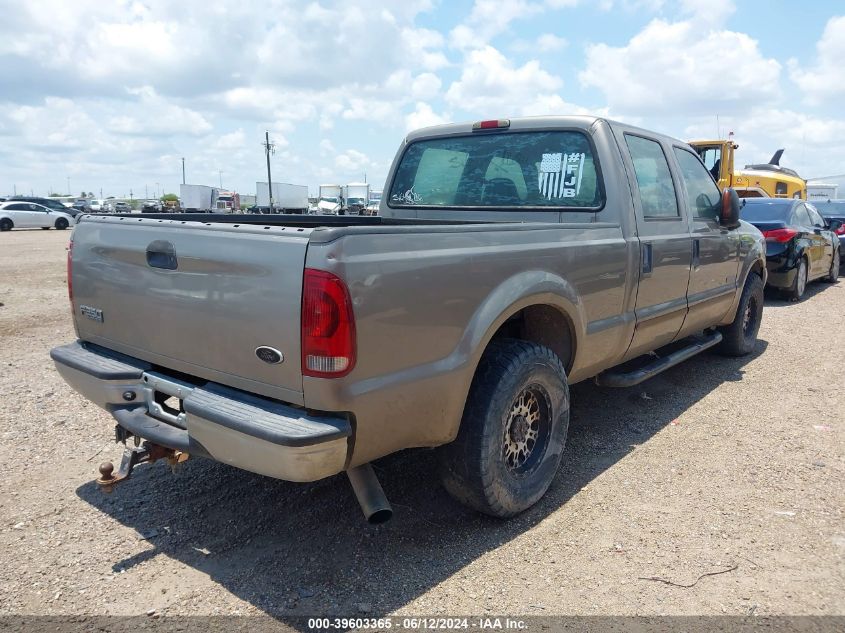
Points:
[[6, 224], [513, 430], [799, 284], [833, 272], [739, 338], [61, 224]]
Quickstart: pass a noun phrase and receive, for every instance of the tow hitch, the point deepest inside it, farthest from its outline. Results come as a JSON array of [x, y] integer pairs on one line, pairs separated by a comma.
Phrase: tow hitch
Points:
[[132, 456]]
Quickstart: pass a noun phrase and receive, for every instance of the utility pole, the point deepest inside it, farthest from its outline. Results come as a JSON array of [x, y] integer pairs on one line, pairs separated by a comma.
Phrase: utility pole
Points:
[[220, 174], [268, 149], [183, 170], [146, 193], [15, 188]]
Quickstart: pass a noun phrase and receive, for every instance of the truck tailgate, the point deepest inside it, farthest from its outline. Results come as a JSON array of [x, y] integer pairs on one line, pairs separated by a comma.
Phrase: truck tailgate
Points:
[[196, 298]]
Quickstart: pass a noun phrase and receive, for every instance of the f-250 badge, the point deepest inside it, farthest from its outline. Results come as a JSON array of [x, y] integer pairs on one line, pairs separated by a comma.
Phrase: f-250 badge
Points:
[[95, 314]]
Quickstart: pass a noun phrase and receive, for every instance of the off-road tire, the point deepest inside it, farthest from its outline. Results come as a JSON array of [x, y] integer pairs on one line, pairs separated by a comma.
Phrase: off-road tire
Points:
[[6, 224], [61, 224], [474, 468], [740, 337], [833, 274], [797, 290]]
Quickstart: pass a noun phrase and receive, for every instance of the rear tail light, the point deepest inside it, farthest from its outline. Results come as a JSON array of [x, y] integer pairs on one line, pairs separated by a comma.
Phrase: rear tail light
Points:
[[779, 235], [840, 230], [70, 273], [328, 326]]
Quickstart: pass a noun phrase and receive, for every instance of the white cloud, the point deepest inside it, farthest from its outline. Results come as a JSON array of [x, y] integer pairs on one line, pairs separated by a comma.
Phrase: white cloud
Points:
[[677, 67], [153, 116], [488, 19], [491, 85], [423, 116], [545, 43], [352, 161], [826, 77]]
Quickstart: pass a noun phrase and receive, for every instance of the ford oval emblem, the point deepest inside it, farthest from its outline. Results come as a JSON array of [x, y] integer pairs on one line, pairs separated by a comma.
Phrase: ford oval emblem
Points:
[[269, 355]]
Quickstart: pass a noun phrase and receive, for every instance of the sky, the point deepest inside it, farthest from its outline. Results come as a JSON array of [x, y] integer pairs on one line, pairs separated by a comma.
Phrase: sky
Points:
[[110, 96]]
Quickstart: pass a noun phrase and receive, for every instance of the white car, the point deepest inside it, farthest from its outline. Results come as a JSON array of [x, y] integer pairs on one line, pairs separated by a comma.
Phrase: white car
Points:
[[95, 205], [26, 215]]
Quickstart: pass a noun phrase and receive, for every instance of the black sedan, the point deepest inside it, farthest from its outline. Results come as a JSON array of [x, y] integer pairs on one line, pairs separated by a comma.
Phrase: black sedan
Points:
[[834, 210], [800, 244]]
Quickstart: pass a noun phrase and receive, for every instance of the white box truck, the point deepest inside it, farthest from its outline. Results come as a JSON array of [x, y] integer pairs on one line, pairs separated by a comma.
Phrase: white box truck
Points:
[[356, 196], [329, 199], [822, 191], [198, 198], [287, 198]]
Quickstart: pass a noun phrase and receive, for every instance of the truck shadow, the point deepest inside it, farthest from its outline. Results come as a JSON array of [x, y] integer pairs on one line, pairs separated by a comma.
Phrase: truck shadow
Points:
[[304, 549]]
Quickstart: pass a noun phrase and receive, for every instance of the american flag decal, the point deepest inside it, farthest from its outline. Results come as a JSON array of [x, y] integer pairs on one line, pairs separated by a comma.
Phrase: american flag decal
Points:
[[560, 175]]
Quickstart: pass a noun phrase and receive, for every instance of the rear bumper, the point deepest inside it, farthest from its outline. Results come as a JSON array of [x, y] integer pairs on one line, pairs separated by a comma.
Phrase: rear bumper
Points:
[[225, 424], [782, 271]]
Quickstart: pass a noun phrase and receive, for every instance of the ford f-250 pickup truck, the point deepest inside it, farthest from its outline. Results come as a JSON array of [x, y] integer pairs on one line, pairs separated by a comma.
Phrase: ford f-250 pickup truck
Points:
[[511, 259]]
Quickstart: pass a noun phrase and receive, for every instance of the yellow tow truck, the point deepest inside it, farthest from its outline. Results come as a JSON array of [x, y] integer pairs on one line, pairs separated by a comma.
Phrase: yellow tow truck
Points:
[[765, 180]]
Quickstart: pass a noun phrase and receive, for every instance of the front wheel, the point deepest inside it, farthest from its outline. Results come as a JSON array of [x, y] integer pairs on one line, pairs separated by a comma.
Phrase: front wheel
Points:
[[739, 338], [513, 430], [61, 224], [833, 273], [799, 284]]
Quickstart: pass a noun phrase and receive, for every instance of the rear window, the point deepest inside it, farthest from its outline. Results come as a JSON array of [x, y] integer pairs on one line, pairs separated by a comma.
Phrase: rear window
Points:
[[765, 211], [516, 169]]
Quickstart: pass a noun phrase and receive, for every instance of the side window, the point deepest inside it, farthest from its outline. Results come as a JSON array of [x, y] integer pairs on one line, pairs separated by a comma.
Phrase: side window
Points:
[[703, 196], [16, 207], [815, 218], [801, 216], [654, 180]]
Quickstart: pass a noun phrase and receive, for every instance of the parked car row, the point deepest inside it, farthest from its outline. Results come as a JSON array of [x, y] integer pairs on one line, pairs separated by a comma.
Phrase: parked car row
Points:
[[801, 244]]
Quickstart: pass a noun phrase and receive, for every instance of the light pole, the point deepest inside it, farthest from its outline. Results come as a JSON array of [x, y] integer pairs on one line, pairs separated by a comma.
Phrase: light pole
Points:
[[68, 185], [183, 170], [268, 148], [220, 174]]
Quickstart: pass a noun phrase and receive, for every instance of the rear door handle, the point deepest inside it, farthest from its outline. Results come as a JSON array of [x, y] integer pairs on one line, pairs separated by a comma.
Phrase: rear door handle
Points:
[[648, 259]]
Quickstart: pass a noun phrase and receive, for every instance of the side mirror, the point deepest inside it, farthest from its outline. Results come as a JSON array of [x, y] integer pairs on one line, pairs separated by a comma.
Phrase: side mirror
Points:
[[729, 214], [834, 225]]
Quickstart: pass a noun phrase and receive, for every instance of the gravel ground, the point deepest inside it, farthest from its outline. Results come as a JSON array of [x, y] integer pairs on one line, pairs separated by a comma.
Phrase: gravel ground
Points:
[[719, 464]]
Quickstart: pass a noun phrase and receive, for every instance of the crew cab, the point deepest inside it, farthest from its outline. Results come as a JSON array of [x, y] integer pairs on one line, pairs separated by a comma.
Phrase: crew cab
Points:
[[509, 260]]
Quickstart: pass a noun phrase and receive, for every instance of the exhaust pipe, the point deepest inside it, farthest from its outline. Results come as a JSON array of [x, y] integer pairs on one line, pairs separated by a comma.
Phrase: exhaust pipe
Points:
[[370, 496]]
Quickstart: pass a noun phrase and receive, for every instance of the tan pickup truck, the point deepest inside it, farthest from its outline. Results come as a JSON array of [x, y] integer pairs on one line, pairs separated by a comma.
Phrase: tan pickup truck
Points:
[[510, 259]]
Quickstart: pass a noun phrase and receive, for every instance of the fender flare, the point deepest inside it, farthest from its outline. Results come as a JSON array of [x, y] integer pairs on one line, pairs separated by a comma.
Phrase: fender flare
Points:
[[523, 290]]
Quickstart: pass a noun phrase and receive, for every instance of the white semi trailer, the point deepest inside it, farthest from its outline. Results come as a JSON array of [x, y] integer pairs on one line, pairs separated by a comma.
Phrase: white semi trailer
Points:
[[198, 198], [287, 198]]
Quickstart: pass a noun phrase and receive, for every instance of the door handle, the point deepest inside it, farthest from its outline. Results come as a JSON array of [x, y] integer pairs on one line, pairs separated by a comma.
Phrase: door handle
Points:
[[648, 259], [696, 253], [162, 254]]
